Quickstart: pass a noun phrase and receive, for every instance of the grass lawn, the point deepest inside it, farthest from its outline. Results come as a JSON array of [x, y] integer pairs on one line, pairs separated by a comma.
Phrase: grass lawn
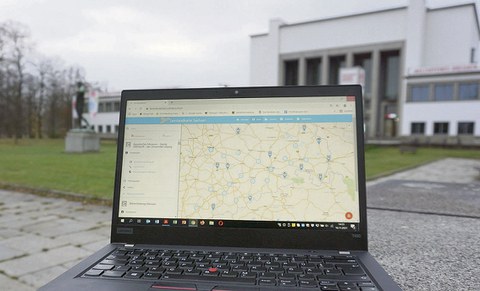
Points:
[[381, 161], [44, 164]]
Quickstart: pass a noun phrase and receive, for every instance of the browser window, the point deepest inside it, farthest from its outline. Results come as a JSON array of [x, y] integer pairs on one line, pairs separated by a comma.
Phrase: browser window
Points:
[[265, 162]]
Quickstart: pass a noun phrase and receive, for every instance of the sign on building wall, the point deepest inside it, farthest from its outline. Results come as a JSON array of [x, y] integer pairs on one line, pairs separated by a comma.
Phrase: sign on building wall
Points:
[[93, 103], [454, 69], [353, 75]]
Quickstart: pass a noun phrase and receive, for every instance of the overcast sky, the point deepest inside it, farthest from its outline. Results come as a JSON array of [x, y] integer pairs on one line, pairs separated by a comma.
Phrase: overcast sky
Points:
[[159, 43]]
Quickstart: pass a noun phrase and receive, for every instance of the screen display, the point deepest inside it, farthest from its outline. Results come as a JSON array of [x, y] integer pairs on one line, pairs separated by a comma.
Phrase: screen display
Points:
[[283, 162]]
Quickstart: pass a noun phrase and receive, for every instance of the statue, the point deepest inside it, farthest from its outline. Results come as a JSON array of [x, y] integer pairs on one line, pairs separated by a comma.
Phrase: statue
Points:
[[81, 139], [80, 104]]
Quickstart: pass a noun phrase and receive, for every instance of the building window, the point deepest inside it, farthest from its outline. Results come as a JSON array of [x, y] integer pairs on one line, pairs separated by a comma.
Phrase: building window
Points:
[[116, 106], [108, 107], [101, 107], [465, 128], [116, 128], [417, 128], [108, 129], [419, 93], [468, 91], [100, 129], [365, 62], [390, 74], [335, 64], [314, 71], [443, 92], [440, 128], [291, 72]]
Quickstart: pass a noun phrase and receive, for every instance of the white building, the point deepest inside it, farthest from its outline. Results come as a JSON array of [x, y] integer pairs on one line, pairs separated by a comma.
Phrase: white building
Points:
[[421, 73], [105, 120]]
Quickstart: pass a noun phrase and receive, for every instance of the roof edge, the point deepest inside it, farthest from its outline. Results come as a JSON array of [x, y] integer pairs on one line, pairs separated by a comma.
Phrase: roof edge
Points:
[[345, 16], [475, 12]]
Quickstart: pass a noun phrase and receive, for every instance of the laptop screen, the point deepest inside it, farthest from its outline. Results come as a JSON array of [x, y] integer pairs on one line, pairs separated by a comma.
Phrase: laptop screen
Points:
[[279, 162]]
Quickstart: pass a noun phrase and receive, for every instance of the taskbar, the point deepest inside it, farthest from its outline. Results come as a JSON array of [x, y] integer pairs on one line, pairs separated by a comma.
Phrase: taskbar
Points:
[[205, 223]]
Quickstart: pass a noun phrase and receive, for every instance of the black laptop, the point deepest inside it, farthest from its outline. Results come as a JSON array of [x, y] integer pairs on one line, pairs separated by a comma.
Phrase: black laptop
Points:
[[255, 188]]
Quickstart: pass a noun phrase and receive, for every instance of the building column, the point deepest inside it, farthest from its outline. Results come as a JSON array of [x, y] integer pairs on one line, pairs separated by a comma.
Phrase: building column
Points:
[[325, 68], [302, 69], [349, 60], [375, 110]]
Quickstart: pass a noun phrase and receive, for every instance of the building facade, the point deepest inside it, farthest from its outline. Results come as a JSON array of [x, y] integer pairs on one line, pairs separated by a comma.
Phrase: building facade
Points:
[[105, 120], [420, 65]]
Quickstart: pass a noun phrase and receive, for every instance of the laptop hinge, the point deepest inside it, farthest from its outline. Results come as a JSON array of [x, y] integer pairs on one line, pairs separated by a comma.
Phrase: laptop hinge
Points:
[[129, 246], [343, 252]]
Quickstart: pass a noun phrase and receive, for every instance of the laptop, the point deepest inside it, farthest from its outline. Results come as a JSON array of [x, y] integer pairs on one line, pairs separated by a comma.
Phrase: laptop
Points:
[[258, 188]]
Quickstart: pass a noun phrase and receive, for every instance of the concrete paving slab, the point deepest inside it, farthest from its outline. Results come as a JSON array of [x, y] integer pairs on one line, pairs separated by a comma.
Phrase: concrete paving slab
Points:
[[7, 232], [7, 283], [31, 243], [39, 261], [83, 237], [42, 277], [426, 252], [95, 246], [426, 196], [57, 227], [449, 170], [7, 253]]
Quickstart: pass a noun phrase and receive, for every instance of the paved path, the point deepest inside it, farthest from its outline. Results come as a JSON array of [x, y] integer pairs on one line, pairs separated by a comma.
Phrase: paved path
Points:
[[424, 228]]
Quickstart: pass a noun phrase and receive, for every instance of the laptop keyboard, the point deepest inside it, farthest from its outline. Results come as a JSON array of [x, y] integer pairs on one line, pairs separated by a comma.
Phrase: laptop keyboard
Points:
[[340, 272]]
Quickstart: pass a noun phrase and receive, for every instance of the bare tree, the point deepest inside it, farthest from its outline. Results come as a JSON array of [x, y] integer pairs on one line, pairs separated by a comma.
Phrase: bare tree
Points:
[[35, 95], [15, 48]]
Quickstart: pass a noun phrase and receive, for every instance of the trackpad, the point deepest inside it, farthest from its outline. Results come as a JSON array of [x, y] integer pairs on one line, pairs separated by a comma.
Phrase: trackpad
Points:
[[234, 288], [174, 286]]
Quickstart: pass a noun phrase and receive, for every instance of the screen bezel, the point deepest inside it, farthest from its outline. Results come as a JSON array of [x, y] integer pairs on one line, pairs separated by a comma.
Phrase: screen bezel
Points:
[[244, 237]]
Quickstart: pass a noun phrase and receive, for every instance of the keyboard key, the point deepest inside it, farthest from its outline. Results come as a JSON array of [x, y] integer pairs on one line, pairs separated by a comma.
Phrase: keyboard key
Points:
[[113, 274], [266, 275], [175, 271], [211, 272], [93, 273], [276, 270], [366, 284], [103, 267], [139, 268], [231, 274], [114, 262], [286, 277], [307, 283], [347, 284], [333, 272], [353, 271], [306, 277], [314, 271], [267, 282], [121, 268], [133, 275], [136, 263], [152, 275], [249, 275], [287, 283], [343, 278]]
